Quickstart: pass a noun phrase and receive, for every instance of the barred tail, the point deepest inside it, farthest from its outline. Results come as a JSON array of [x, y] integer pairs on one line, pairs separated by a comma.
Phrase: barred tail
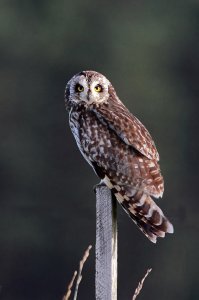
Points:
[[146, 214]]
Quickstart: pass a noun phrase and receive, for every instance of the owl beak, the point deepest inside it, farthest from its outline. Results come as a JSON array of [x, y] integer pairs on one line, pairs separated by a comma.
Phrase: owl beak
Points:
[[88, 94]]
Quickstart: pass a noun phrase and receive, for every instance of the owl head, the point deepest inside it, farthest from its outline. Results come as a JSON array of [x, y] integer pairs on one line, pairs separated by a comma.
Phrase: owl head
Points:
[[86, 88]]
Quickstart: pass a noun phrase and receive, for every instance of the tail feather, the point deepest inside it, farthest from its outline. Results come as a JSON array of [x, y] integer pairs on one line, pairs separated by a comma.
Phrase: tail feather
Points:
[[147, 215], [142, 210]]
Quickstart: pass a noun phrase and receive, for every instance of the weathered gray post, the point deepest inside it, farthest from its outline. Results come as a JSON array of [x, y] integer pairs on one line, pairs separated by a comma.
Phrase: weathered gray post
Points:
[[106, 244]]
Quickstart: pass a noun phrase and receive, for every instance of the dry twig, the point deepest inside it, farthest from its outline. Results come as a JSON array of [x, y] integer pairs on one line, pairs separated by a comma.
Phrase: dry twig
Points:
[[79, 277], [81, 264], [68, 293], [140, 285]]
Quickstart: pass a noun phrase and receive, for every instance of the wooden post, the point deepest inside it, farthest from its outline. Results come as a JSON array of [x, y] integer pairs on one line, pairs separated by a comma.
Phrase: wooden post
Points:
[[106, 244]]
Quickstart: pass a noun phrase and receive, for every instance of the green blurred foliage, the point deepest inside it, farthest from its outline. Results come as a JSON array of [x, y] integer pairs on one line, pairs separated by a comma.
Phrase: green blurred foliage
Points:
[[150, 52]]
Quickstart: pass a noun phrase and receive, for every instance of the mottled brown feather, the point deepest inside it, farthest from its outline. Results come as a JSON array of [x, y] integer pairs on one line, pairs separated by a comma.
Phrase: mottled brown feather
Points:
[[120, 150]]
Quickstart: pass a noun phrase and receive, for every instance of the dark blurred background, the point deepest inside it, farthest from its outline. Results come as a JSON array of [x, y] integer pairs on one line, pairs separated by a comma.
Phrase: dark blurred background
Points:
[[150, 52]]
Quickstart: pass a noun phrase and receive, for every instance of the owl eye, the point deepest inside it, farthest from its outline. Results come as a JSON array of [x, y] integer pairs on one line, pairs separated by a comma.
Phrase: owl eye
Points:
[[98, 88], [79, 88]]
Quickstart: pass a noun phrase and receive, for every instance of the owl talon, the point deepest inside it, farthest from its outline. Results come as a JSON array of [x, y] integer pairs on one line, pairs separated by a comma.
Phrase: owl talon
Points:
[[101, 183]]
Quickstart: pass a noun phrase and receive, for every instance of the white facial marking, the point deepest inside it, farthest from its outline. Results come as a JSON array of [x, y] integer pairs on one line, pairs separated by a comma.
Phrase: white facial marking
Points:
[[89, 94]]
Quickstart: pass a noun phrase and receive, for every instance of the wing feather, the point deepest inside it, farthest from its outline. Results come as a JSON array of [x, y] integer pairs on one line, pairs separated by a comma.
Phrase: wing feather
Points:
[[129, 129]]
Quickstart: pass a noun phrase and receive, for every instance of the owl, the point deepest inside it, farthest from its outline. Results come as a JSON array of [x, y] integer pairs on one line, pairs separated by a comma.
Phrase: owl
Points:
[[119, 149]]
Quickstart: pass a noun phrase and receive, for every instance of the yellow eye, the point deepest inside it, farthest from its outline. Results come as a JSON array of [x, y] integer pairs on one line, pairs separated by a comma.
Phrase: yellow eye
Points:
[[98, 88], [79, 88]]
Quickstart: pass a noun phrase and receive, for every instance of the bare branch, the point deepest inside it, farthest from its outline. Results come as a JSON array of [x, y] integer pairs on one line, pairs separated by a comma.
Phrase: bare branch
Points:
[[81, 264], [140, 285], [68, 293]]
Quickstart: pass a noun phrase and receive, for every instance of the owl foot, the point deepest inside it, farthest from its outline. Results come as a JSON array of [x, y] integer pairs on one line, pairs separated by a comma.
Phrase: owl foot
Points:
[[98, 185]]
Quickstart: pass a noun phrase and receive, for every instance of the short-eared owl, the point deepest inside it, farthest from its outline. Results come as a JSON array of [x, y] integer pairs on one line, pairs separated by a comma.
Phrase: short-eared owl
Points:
[[119, 148]]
